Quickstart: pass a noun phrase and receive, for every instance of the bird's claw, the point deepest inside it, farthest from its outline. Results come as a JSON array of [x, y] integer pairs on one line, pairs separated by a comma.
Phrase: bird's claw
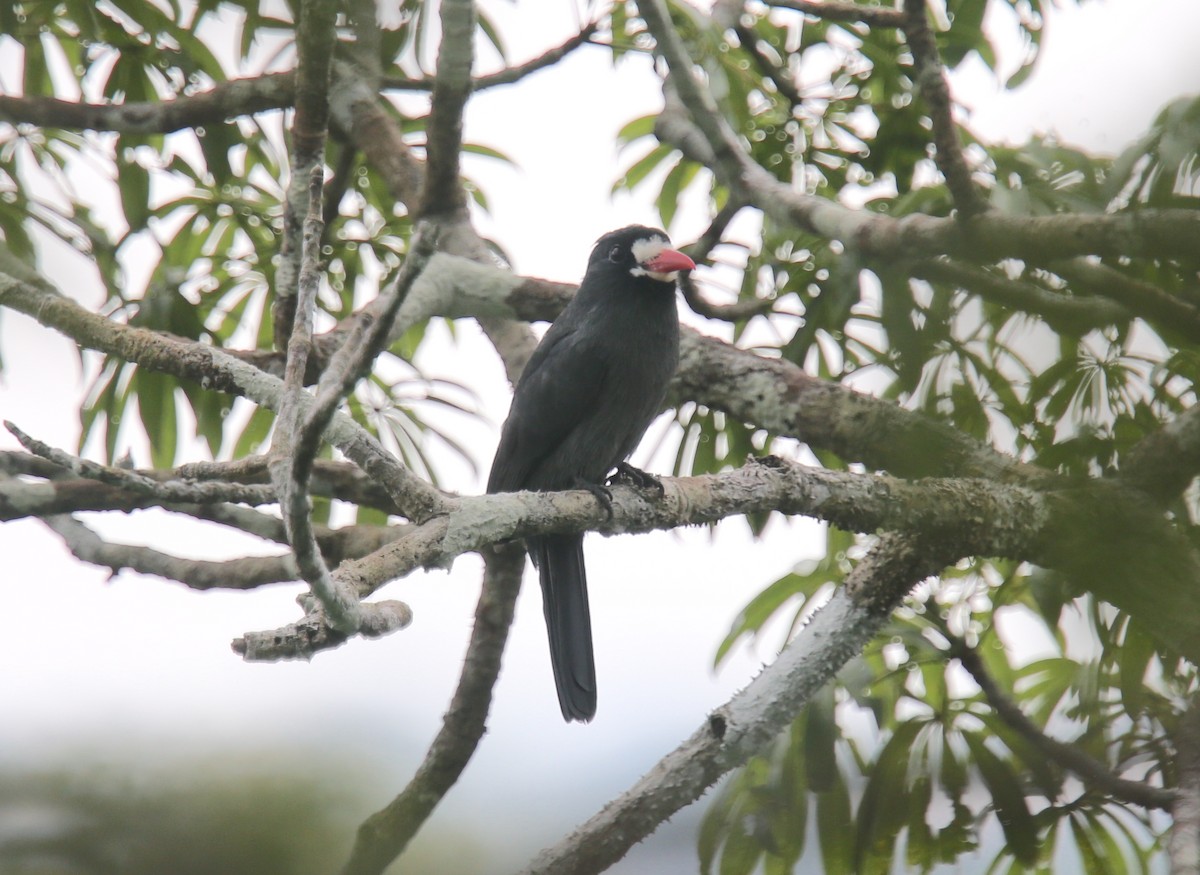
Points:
[[601, 494], [639, 478]]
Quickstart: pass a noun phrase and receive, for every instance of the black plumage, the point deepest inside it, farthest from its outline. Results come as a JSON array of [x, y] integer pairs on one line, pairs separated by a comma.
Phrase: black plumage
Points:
[[587, 395]]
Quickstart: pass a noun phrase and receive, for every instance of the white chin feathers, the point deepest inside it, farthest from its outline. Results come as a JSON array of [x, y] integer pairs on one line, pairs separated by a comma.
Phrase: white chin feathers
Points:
[[646, 249]]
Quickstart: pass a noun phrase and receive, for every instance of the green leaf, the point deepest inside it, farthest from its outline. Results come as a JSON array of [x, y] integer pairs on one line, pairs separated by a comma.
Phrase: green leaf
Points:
[[1008, 801]]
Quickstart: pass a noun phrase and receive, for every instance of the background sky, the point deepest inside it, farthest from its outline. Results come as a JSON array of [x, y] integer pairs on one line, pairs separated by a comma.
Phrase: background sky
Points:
[[134, 673]]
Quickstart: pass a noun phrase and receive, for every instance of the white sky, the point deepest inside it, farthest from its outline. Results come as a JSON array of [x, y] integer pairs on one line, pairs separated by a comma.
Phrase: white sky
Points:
[[140, 665]]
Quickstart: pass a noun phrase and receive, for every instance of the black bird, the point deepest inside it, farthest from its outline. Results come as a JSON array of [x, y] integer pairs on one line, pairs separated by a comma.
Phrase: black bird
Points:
[[590, 390]]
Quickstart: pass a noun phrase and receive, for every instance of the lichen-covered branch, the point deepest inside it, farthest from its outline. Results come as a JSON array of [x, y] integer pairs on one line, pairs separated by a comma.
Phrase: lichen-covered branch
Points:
[[741, 728], [25, 291]]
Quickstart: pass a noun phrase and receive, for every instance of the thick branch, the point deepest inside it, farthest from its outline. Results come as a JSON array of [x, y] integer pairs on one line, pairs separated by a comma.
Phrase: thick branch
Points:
[[740, 729], [931, 79], [1166, 461], [385, 834], [960, 517], [1183, 846], [1093, 773]]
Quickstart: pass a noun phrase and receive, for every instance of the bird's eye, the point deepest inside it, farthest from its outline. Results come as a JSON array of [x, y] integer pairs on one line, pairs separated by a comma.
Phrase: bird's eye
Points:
[[614, 254]]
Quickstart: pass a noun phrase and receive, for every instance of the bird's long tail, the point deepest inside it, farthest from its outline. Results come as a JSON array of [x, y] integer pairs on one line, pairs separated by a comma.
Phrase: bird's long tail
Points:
[[559, 559]]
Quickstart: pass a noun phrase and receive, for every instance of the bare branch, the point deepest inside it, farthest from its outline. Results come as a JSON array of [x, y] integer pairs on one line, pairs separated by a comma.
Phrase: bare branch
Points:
[[359, 112], [508, 75], [291, 455], [385, 834], [223, 101], [1093, 773], [139, 484], [245, 572], [315, 39], [1071, 314], [831, 10], [1167, 313], [25, 291], [443, 193], [740, 729], [931, 80], [965, 517]]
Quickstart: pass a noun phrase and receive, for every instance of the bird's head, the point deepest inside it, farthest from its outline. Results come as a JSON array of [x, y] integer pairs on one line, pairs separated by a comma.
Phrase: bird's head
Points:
[[642, 252]]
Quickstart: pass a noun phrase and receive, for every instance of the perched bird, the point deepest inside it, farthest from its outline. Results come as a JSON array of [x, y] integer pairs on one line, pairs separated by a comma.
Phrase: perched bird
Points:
[[590, 390]]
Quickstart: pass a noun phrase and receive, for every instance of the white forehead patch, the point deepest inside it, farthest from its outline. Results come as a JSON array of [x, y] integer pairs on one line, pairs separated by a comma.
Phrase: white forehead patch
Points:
[[646, 248]]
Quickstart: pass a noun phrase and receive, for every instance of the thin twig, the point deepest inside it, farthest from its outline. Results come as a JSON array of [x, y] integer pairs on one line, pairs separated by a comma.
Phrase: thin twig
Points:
[[1093, 773], [244, 572], [931, 79], [1070, 314], [140, 484], [831, 10], [508, 75]]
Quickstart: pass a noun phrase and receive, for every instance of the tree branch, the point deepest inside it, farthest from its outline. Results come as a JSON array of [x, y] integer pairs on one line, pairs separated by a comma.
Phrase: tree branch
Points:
[[1165, 462], [1183, 846], [385, 834], [1166, 233], [25, 291], [831, 10], [223, 101], [245, 572], [139, 484], [740, 729], [931, 80], [1094, 774], [443, 193], [1168, 314], [963, 517], [508, 75], [292, 450], [1070, 314]]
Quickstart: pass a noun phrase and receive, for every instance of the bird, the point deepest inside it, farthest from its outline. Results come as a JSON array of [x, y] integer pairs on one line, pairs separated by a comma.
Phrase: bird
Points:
[[593, 385]]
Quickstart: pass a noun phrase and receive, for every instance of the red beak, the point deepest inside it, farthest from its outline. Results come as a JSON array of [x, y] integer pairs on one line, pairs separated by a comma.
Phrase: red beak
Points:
[[669, 261]]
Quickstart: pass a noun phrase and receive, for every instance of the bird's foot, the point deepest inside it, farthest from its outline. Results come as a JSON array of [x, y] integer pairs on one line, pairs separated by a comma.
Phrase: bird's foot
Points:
[[601, 493], [639, 478]]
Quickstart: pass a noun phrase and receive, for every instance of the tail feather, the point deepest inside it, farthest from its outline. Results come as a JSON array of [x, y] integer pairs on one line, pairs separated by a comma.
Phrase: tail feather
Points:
[[559, 559]]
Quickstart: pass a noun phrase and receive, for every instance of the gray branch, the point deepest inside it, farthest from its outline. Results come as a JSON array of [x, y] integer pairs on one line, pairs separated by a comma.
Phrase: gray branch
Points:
[[741, 728]]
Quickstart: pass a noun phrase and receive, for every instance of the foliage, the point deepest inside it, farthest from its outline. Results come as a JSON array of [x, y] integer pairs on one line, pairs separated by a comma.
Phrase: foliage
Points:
[[903, 762], [905, 719]]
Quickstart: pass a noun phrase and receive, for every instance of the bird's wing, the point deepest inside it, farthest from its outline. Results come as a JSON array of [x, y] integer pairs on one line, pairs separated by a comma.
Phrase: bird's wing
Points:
[[555, 394]]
